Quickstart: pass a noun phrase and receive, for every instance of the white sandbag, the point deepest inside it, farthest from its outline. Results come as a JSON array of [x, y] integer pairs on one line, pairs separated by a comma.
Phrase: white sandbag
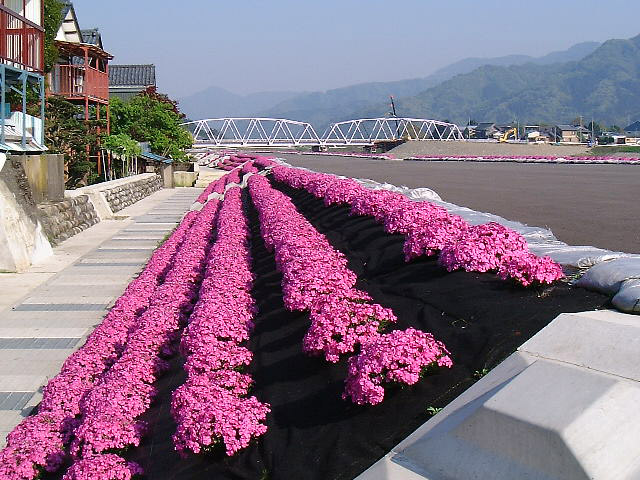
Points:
[[628, 298], [609, 276]]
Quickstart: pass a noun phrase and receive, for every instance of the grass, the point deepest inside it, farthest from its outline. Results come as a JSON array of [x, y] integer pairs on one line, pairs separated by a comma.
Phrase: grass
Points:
[[615, 149]]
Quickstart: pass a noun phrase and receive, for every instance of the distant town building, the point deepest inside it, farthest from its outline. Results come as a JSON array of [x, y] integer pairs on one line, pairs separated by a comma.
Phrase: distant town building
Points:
[[21, 71], [571, 134], [633, 130], [126, 81], [486, 130]]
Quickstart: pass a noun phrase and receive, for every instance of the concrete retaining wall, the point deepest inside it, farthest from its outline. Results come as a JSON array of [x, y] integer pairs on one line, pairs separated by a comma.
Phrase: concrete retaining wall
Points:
[[122, 196], [22, 240], [111, 197], [62, 220], [45, 174], [564, 406]]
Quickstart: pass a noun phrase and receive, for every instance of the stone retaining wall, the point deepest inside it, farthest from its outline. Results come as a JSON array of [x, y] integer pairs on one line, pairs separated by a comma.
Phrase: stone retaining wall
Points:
[[122, 196], [62, 220]]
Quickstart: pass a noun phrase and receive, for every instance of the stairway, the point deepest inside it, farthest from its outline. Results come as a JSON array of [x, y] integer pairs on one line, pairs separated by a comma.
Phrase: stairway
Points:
[[207, 175]]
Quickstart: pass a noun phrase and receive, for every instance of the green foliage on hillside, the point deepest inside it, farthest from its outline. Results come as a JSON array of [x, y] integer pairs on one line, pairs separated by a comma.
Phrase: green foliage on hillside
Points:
[[154, 118], [372, 99], [605, 85]]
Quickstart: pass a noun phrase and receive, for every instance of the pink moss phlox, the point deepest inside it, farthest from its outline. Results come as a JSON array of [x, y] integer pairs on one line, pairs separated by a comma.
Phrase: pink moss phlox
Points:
[[529, 269], [110, 412], [36, 444], [339, 325], [212, 407], [103, 467], [400, 356], [482, 248], [429, 229]]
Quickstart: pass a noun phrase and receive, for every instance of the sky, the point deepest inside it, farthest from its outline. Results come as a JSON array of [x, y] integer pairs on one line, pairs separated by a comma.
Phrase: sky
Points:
[[248, 46]]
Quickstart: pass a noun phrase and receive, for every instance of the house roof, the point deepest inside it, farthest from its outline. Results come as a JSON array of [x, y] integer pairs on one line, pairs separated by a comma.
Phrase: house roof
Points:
[[634, 127], [132, 75], [485, 125], [66, 8], [156, 158], [92, 37], [77, 49]]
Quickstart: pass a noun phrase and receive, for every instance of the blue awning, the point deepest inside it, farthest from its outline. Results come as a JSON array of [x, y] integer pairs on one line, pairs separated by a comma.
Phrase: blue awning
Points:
[[156, 158]]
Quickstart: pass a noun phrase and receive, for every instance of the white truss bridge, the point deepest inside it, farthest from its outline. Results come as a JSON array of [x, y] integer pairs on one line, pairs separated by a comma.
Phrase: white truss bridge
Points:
[[278, 132]]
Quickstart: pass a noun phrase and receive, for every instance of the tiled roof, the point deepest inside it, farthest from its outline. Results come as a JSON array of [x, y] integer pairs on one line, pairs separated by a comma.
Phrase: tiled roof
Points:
[[66, 6], [634, 127], [91, 36], [132, 75]]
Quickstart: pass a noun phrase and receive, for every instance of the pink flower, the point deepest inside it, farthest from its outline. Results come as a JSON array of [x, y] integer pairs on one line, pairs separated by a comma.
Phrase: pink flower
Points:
[[397, 357]]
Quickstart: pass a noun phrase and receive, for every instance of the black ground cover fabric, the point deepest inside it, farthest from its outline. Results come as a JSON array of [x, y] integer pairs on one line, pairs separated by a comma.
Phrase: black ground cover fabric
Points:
[[314, 434]]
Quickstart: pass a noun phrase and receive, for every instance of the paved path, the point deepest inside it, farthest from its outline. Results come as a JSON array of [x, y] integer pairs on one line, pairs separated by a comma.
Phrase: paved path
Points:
[[46, 313], [595, 205]]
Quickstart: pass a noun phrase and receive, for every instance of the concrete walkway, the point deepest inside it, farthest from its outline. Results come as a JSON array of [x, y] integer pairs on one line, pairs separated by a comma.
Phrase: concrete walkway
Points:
[[47, 312]]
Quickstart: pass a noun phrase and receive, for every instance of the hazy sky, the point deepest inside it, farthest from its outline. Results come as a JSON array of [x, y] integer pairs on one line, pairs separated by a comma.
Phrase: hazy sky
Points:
[[256, 45]]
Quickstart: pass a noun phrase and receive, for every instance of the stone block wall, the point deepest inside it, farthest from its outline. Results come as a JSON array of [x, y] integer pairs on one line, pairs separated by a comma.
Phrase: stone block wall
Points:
[[62, 220], [122, 196]]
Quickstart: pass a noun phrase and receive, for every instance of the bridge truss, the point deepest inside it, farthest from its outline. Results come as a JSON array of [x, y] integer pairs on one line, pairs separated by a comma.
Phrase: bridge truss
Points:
[[277, 132]]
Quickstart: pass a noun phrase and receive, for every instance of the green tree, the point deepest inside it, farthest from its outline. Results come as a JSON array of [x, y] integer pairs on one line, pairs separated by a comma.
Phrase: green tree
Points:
[[123, 148], [68, 134], [153, 119], [52, 20]]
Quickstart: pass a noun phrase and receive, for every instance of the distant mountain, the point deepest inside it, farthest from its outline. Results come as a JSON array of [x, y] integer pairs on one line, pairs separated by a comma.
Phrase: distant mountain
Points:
[[605, 84], [323, 108], [217, 102]]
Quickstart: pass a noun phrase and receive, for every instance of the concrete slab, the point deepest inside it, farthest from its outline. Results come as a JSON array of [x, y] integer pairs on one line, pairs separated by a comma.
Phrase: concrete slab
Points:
[[562, 407], [45, 332], [587, 342]]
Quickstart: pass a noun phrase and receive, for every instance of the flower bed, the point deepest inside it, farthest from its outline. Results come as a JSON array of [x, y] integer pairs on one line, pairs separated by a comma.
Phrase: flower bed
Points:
[[530, 158], [316, 278], [39, 441], [430, 229], [110, 412], [213, 405]]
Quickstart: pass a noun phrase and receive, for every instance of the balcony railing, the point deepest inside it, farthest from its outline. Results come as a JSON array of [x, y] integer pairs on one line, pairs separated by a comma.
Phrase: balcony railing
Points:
[[78, 81], [21, 41]]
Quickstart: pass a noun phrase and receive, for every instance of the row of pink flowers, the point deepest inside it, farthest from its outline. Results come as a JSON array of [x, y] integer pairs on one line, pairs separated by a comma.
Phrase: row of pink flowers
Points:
[[38, 442], [315, 277], [429, 229], [213, 406], [534, 158], [213, 187], [110, 413], [339, 153]]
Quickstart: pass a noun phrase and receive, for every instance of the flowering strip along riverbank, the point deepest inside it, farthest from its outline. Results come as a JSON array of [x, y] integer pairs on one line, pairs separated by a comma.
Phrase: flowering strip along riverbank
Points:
[[213, 407], [110, 412], [38, 442], [429, 229], [608, 159], [315, 277]]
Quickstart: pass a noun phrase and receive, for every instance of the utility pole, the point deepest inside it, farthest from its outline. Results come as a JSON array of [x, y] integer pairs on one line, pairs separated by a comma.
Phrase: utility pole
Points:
[[393, 110]]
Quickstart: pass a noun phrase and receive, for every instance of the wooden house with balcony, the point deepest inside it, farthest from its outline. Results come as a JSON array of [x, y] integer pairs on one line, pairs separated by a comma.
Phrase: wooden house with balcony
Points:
[[21, 73], [81, 74]]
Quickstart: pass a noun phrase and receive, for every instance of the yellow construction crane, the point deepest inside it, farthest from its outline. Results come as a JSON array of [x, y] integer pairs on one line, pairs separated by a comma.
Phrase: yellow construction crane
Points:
[[508, 133]]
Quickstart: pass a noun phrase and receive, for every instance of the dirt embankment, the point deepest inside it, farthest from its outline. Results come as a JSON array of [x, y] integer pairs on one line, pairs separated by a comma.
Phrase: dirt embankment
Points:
[[414, 148]]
